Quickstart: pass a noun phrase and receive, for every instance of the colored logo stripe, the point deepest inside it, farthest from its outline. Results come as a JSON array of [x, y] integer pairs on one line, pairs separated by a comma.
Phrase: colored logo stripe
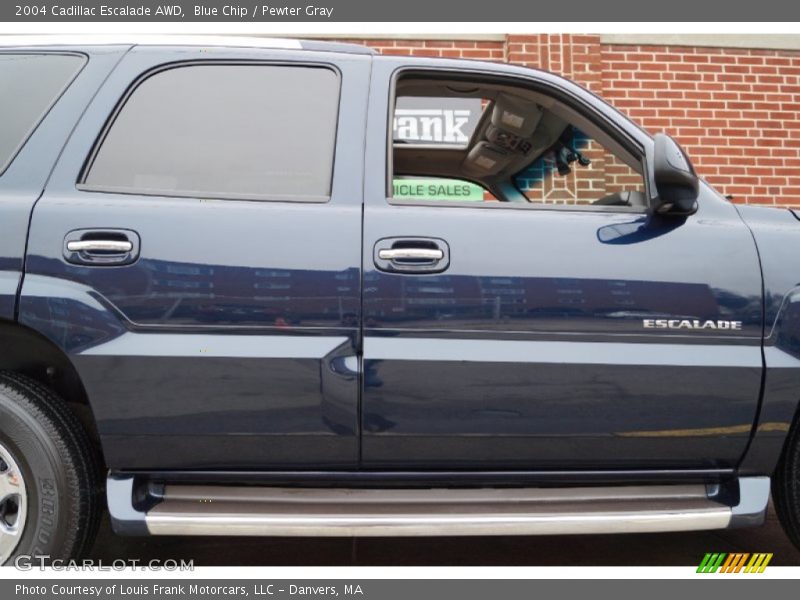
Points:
[[711, 562], [734, 563], [758, 563]]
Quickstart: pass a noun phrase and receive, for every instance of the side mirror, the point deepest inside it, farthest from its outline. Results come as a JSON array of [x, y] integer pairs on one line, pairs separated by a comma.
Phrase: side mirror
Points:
[[676, 182]]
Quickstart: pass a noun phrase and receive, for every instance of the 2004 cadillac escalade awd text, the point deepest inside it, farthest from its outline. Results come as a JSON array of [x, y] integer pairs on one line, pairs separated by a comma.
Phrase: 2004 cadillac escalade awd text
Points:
[[268, 287]]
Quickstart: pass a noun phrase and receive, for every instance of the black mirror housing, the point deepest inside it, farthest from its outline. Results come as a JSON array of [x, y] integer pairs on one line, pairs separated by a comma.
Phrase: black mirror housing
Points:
[[676, 182]]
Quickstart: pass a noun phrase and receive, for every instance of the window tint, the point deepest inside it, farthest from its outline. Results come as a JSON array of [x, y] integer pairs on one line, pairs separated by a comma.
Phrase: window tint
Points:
[[224, 131], [29, 85]]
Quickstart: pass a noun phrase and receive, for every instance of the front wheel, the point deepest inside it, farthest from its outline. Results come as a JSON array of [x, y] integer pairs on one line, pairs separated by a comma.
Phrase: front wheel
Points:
[[49, 479], [786, 486]]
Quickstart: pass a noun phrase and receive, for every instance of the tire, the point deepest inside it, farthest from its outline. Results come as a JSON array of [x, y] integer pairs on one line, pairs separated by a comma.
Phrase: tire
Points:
[[786, 486], [53, 510]]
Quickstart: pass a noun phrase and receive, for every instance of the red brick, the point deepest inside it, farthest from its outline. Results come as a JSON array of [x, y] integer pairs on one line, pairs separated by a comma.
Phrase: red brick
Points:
[[732, 108]]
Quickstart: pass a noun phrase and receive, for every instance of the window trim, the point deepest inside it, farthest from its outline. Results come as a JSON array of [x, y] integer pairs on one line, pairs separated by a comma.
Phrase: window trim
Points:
[[594, 208], [4, 167], [86, 168], [559, 95]]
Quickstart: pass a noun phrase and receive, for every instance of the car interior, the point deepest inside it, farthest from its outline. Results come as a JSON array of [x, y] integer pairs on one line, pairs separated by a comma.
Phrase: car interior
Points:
[[517, 129]]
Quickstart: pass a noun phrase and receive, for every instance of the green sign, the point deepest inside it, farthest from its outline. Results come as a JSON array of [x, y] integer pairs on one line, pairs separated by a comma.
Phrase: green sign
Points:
[[437, 189]]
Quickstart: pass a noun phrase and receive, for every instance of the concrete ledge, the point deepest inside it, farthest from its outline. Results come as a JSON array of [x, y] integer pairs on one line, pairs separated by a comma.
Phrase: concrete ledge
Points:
[[755, 41], [438, 37]]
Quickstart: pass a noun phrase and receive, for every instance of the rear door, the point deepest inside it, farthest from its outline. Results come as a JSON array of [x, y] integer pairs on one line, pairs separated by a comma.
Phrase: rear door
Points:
[[524, 336], [197, 255]]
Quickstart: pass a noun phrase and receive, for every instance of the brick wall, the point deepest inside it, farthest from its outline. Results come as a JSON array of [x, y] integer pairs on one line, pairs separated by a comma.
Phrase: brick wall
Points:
[[736, 111]]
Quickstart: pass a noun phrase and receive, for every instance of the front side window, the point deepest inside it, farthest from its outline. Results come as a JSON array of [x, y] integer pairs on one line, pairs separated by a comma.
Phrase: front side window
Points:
[[29, 85], [223, 131], [514, 146]]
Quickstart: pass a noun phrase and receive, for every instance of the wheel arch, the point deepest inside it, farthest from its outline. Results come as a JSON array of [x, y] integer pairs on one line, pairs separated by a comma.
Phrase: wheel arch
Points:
[[27, 352]]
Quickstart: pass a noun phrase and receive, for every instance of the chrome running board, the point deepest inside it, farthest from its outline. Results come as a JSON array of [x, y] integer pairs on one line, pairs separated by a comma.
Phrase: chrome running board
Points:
[[282, 511]]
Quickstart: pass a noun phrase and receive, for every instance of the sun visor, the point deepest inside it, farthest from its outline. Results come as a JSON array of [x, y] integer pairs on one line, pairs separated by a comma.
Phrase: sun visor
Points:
[[515, 115], [485, 159]]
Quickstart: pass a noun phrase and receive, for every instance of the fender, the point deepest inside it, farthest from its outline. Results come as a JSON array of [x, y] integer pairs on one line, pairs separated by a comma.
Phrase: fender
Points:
[[777, 237]]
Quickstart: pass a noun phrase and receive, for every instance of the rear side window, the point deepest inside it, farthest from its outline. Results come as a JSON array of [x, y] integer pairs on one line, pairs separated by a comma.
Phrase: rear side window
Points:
[[261, 132], [29, 85]]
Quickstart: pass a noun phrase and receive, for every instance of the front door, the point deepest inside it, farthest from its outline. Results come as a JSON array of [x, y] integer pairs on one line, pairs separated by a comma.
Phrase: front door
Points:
[[525, 335], [197, 255]]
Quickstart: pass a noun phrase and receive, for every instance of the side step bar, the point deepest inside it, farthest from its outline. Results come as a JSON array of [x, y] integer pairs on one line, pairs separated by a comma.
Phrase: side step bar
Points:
[[282, 511]]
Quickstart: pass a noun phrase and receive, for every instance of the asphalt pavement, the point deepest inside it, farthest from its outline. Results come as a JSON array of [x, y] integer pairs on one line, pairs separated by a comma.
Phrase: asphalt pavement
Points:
[[662, 549]]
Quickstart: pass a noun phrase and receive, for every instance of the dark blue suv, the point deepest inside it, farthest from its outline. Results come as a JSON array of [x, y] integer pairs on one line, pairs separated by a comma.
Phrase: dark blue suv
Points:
[[269, 287]]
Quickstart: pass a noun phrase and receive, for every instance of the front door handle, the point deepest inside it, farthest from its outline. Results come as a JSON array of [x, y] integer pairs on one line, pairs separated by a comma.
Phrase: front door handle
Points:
[[101, 247], [411, 254], [417, 255]]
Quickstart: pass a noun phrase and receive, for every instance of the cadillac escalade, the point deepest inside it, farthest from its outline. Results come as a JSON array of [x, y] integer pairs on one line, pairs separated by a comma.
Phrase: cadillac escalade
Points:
[[295, 288]]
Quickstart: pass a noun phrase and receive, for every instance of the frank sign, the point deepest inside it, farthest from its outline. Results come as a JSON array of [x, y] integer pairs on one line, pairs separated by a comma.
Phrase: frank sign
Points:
[[436, 120]]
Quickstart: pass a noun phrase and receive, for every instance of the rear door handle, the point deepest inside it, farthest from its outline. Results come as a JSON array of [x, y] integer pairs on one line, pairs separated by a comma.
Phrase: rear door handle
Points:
[[111, 246], [101, 247], [418, 255]]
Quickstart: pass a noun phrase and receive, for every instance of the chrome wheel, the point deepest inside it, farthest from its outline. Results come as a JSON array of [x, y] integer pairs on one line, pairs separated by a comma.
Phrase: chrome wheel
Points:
[[13, 504]]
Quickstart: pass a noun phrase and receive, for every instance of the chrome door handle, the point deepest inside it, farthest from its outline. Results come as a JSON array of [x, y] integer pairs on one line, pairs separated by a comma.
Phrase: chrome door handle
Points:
[[121, 246], [410, 254], [111, 247]]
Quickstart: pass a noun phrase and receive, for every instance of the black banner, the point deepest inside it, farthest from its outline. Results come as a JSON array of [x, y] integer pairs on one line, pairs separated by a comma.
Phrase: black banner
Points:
[[386, 589], [388, 11]]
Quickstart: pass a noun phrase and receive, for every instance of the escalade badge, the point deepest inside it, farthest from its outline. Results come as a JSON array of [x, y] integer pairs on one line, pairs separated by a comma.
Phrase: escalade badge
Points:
[[691, 324]]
